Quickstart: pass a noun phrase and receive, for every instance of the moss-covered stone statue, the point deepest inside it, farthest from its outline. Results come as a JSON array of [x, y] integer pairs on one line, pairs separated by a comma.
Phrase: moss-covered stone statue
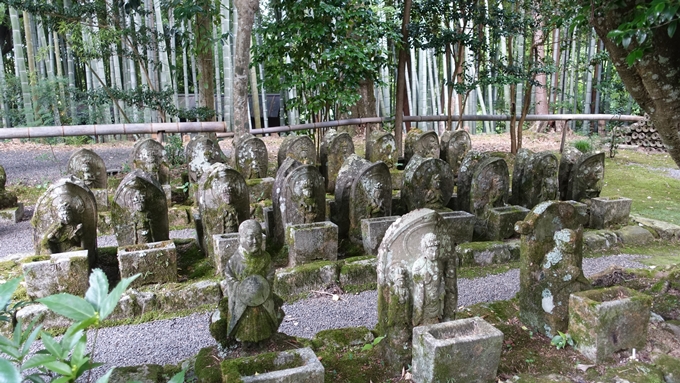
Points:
[[300, 148], [419, 143], [254, 311], [428, 183], [304, 197], [201, 152], [382, 147], [417, 283], [278, 232], [551, 265], [7, 199], [581, 175], [335, 148], [250, 157], [139, 211], [534, 178], [89, 167], [223, 203], [149, 155], [65, 219], [454, 147]]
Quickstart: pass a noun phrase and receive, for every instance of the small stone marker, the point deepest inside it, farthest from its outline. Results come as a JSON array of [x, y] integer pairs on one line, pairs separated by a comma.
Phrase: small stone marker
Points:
[[581, 175], [551, 265], [223, 203], [276, 230], [609, 211], [156, 262], [335, 149], [251, 158], [63, 273], [149, 155], [381, 147], [534, 178], [200, 153], [139, 212], [65, 219], [89, 167], [464, 350], [309, 242], [428, 183], [300, 148], [423, 144]]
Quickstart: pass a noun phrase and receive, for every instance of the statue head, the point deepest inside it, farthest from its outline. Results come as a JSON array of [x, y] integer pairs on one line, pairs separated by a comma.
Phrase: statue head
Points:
[[429, 246], [66, 207], [250, 236]]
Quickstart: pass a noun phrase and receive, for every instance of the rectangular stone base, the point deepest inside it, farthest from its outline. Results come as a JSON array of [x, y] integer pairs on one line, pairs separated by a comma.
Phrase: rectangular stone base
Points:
[[224, 246], [373, 230], [101, 196], [62, 273], [501, 222], [312, 241], [167, 189], [606, 211], [156, 262], [464, 350], [462, 225], [12, 215], [303, 367]]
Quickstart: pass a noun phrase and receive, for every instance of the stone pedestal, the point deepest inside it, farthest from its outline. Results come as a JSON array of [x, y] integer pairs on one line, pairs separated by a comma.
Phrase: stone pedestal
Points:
[[224, 246], [609, 211], [102, 198], [156, 262], [167, 189], [62, 273], [260, 189], [373, 230], [465, 350], [312, 241], [501, 222], [12, 215], [300, 366], [605, 321], [462, 225]]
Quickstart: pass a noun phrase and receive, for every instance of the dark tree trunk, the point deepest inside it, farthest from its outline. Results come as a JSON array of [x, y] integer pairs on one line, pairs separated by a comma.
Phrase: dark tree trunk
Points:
[[246, 16]]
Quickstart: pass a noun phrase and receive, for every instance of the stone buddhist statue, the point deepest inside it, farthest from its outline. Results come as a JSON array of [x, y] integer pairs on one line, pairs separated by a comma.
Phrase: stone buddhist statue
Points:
[[89, 167], [250, 157], [254, 310], [149, 155], [428, 283], [7, 199], [201, 152]]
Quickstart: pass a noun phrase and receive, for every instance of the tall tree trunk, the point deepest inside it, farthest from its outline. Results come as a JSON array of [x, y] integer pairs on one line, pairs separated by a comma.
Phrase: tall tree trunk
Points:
[[20, 68], [541, 89], [205, 65], [246, 16]]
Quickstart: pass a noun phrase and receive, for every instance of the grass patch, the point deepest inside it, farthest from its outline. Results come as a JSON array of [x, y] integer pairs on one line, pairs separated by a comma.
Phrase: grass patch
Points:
[[482, 271], [640, 176]]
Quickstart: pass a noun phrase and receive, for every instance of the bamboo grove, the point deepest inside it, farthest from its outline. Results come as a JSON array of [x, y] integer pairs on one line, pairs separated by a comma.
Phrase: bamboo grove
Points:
[[69, 62]]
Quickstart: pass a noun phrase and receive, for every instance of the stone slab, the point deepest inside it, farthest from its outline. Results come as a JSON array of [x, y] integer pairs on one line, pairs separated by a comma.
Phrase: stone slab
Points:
[[666, 231], [156, 262], [293, 283], [359, 274], [462, 225], [634, 235], [12, 215], [487, 253], [62, 273], [310, 369], [501, 222], [609, 211], [312, 241], [599, 240], [101, 196], [225, 246], [260, 189], [373, 230]]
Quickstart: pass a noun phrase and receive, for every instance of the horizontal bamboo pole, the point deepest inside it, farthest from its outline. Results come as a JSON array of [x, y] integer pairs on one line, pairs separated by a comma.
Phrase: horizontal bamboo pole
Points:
[[221, 127]]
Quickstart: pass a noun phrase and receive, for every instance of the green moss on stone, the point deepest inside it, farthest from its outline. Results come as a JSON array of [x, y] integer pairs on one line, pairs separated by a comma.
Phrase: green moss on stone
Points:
[[207, 366], [234, 369]]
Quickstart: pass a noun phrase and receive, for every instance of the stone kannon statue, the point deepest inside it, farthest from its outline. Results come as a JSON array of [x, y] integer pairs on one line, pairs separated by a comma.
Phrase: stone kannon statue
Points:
[[7, 200], [363, 190], [454, 147], [382, 147], [254, 310], [428, 182], [251, 158], [149, 155], [534, 178], [464, 180], [223, 203], [304, 197], [587, 177], [139, 211], [335, 148], [417, 281], [300, 148], [551, 265], [201, 152], [89, 167], [424, 144], [288, 165], [65, 219]]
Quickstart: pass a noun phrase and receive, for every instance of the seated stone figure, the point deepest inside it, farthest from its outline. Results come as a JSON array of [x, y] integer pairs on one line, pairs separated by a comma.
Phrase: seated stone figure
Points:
[[66, 233], [254, 310], [428, 284]]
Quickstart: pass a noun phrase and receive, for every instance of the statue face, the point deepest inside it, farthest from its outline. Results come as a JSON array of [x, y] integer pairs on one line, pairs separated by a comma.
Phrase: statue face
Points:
[[429, 246], [137, 201], [250, 240], [378, 190], [436, 182], [64, 210], [306, 189], [304, 157]]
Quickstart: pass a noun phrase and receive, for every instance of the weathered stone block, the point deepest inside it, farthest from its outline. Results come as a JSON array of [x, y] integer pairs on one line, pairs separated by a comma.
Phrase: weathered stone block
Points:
[[599, 240], [225, 246], [171, 298], [609, 211], [582, 211], [294, 282], [605, 321], [397, 178], [180, 216], [462, 225], [465, 350], [104, 224], [373, 230], [359, 274], [12, 215], [101, 196], [312, 241], [299, 366], [634, 235], [666, 231], [167, 189], [134, 303], [501, 221], [156, 262], [260, 189], [62, 273], [41, 314], [487, 253], [268, 223]]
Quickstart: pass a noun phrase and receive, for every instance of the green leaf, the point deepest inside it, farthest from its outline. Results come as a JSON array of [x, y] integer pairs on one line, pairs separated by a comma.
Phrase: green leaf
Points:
[[105, 377], [60, 368], [52, 346], [69, 340], [672, 27], [626, 41], [633, 56], [112, 299], [367, 347], [35, 378], [31, 338], [7, 289], [9, 373], [11, 351], [377, 340], [70, 306], [98, 290], [38, 360], [178, 377]]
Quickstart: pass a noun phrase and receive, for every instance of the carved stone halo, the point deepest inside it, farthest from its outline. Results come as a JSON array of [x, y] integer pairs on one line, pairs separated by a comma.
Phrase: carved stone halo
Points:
[[253, 290]]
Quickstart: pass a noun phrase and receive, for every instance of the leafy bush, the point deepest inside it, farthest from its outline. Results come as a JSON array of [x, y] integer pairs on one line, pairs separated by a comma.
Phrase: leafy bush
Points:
[[174, 150], [584, 146]]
